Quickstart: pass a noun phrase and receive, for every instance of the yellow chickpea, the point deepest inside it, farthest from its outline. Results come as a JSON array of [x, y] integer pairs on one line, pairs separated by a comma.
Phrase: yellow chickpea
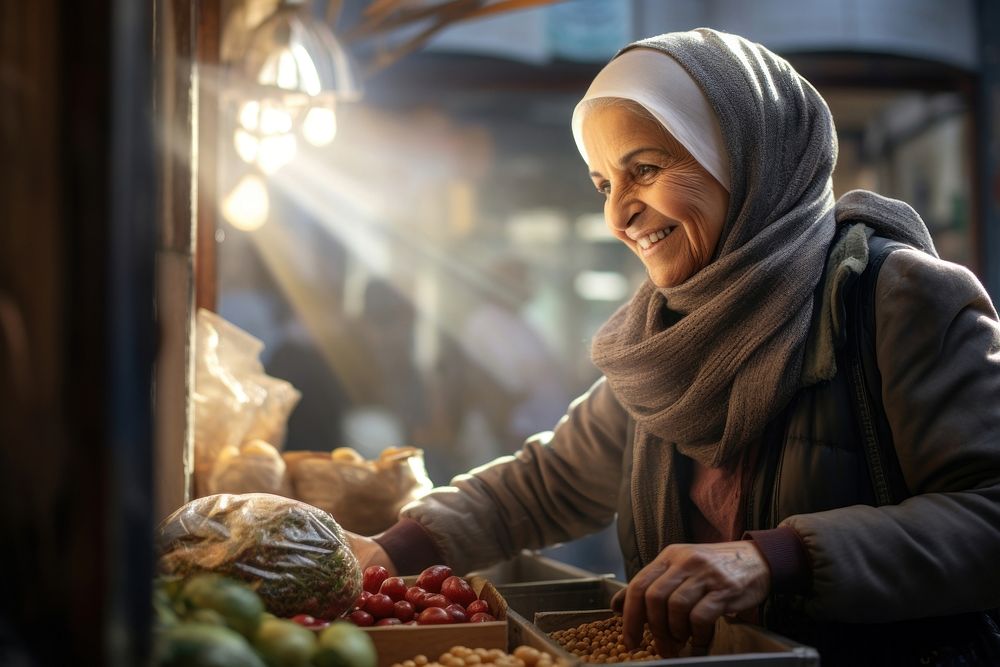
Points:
[[528, 654]]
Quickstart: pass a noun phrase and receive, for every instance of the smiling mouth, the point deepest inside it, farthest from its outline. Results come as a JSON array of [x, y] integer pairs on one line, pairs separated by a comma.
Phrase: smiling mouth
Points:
[[647, 242]]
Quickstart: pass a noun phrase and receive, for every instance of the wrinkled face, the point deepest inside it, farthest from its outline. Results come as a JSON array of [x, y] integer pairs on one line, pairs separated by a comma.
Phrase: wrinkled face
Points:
[[659, 201]]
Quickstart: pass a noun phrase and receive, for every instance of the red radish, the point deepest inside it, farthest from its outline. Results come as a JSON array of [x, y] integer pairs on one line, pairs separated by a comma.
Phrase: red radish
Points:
[[482, 617], [389, 621], [307, 621], [361, 618], [373, 577], [477, 606], [433, 616], [394, 587], [403, 610], [457, 612], [380, 605], [433, 600], [413, 595], [431, 579], [362, 599], [458, 590]]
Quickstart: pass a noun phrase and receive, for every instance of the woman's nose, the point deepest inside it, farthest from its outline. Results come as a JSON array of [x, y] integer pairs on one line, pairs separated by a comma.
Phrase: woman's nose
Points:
[[620, 211]]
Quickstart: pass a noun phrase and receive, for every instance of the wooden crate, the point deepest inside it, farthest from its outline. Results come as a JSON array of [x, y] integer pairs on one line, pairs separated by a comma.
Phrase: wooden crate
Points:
[[521, 632], [530, 598], [397, 643], [735, 642]]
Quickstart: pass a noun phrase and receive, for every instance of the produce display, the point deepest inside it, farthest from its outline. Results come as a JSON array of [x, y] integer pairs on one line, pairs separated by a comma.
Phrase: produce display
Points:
[[437, 598], [601, 642], [205, 618], [459, 656], [209, 620], [295, 556]]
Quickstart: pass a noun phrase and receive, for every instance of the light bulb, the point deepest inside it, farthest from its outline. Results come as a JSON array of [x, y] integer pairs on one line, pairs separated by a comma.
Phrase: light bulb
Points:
[[275, 120], [320, 126], [275, 152], [248, 114], [247, 206], [308, 76], [288, 75], [246, 145]]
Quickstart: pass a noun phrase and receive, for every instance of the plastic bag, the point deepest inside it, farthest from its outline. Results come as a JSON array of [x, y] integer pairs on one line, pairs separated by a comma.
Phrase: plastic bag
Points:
[[364, 496], [234, 401], [295, 556]]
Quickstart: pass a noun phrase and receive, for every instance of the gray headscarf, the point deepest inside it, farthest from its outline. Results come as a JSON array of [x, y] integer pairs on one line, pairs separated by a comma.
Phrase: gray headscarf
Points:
[[706, 381]]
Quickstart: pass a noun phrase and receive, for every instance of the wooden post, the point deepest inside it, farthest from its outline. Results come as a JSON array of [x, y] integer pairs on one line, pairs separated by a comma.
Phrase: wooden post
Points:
[[77, 237], [209, 38]]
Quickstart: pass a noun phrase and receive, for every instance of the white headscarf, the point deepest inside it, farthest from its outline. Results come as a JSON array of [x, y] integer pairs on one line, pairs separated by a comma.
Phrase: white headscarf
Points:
[[658, 83]]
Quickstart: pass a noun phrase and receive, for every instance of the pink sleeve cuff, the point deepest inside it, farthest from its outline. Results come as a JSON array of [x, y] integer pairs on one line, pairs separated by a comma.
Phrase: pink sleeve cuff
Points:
[[786, 557], [409, 547]]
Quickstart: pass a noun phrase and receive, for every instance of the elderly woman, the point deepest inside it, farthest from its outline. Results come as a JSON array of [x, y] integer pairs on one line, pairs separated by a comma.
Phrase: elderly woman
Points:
[[725, 432]]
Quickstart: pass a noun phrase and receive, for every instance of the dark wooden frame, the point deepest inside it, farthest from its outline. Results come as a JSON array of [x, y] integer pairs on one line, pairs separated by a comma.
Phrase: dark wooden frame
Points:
[[77, 238]]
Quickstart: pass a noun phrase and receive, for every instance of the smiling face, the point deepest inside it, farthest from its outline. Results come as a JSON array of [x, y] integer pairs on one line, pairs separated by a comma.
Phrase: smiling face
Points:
[[659, 201]]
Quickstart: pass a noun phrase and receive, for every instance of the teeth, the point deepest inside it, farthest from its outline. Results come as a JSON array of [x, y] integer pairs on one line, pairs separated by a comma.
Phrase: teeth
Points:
[[647, 242]]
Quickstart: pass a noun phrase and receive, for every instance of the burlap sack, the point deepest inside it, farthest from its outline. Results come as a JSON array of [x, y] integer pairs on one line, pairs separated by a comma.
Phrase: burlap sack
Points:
[[256, 467], [363, 496]]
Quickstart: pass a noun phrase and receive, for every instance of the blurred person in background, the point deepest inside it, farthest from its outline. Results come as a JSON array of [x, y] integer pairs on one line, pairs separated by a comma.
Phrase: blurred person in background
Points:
[[731, 432], [512, 384]]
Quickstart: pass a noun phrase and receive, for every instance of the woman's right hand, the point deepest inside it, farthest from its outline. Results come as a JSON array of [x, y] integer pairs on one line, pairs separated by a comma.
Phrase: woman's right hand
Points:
[[369, 552]]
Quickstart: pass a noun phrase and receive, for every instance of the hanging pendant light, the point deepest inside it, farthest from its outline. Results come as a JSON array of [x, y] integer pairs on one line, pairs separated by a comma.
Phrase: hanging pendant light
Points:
[[290, 78], [286, 85]]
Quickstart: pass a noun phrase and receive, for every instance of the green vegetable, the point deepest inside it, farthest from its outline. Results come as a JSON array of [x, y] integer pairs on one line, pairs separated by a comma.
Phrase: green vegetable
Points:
[[285, 644], [163, 609], [235, 603], [345, 645], [208, 617], [201, 645]]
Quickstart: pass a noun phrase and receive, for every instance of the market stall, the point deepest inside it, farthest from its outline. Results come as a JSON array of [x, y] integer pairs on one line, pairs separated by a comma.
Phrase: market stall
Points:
[[252, 561]]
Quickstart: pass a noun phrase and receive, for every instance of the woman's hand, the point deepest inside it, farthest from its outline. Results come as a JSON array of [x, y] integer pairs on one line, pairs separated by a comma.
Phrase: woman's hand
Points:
[[687, 588], [369, 552]]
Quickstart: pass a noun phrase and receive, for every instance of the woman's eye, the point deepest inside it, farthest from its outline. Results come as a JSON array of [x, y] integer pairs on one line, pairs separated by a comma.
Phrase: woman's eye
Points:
[[604, 188], [645, 172]]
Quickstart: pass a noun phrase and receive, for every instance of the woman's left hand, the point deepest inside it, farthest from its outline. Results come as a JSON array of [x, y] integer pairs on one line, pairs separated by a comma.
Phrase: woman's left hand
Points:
[[687, 588]]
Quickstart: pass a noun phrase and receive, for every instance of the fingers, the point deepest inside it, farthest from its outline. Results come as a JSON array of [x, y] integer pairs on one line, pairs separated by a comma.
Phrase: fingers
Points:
[[660, 596], [618, 601], [667, 598], [687, 588], [703, 618], [634, 611], [678, 609]]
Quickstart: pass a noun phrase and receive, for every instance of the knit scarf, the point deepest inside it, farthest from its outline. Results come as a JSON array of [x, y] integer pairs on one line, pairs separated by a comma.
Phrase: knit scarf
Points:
[[703, 366]]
